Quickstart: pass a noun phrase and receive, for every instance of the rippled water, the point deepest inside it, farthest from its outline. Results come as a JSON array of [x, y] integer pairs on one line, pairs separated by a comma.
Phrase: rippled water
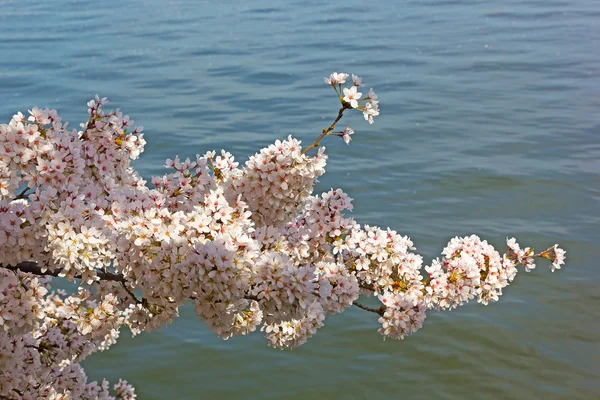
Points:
[[489, 125]]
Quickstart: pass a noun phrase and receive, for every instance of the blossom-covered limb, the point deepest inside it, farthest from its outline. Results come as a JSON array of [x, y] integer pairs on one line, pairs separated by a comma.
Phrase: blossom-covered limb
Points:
[[32, 267], [23, 194], [378, 311], [251, 246]]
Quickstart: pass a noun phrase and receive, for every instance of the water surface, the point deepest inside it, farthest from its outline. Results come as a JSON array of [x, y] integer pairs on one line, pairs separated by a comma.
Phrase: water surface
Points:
[[489, 125]]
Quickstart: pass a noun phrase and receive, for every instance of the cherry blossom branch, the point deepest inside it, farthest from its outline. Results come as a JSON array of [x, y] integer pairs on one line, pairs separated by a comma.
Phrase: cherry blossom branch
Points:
[[366, 286], [138, 301], [32, 267], [22, 195], [251, 297], [245, 250], [11, 398], [331, 127], [378, 311]]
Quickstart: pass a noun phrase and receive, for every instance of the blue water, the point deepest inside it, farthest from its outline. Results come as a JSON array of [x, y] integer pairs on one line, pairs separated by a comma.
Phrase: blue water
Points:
[[489, 125]]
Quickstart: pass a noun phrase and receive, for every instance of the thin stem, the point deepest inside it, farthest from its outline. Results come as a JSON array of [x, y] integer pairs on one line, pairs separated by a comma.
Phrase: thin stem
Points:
[[22, 195], [32, 267], [336, 90], [378, 311], [251, 297], [544, 254], [367, 286], [329, 129], [138, 301]]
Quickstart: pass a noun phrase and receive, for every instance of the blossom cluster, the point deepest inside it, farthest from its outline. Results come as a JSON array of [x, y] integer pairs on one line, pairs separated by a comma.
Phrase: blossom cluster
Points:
[[471, 268], [249, 245], [369, 104], [39, 358], [276, 182]]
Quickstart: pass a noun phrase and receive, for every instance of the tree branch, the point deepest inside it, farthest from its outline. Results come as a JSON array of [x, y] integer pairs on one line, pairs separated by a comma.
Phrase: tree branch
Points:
[[366, 286], [32, 267], [378, 311], [329, 129], [22, 195], [138, 301], [251, 297]]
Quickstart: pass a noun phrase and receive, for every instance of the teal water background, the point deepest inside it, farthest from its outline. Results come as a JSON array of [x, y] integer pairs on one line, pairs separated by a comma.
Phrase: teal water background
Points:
[[490, 123]]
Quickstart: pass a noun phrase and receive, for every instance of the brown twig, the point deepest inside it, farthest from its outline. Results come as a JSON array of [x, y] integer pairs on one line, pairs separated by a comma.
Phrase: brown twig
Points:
[[138, 301], [366, 286], [22, 195], [329, 129], [32, 267], [251, 297], [378, 311]]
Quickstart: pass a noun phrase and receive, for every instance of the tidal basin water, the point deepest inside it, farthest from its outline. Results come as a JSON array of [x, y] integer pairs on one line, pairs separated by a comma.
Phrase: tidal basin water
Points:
[[490, 124]]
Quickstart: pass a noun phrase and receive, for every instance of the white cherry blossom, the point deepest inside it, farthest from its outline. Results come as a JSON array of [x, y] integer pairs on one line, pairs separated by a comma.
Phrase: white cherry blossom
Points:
[[352, 96], [249, 245]]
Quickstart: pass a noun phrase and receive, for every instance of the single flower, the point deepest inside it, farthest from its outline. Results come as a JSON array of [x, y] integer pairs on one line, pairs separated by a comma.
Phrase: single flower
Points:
[[352, 96]]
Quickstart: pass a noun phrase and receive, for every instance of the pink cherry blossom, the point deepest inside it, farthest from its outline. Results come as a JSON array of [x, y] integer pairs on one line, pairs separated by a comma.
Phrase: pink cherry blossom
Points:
[[249, 245]]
